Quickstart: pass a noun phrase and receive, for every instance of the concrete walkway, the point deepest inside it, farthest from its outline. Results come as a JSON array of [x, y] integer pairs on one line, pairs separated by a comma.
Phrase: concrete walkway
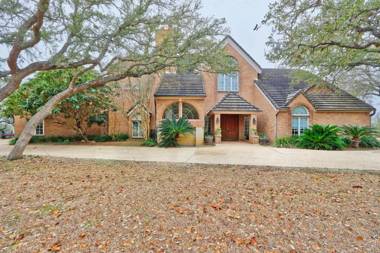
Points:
[[227, 153]]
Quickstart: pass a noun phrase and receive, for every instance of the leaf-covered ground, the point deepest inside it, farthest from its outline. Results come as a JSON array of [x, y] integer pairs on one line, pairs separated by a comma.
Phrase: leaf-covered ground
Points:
[[63, 205]]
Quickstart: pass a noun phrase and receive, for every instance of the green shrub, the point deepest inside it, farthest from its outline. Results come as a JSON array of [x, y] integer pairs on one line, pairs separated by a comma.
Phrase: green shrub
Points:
[[323, 137], [263, 139], [149, 143], [347, 141], [171, 129], [287, 142], [102, 138], [13, 141], [356, 133], [120, 137], [369, 142]]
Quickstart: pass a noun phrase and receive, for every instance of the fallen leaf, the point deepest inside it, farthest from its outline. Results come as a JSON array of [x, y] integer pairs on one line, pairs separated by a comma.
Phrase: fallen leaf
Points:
[[253, 241], [55, 247], [359, 238], [357, 187]]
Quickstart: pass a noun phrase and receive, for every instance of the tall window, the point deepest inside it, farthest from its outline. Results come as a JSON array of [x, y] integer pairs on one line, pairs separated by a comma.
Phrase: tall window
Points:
[[137, 130], [229, 81], [300, 120], [188, 111], [40, 129]]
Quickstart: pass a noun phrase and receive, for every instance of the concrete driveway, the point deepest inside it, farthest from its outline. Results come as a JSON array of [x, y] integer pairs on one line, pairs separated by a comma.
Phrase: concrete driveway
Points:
[[226, 153]]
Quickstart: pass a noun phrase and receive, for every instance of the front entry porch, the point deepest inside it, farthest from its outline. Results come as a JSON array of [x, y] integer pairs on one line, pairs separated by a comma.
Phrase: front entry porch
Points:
[[232, 126], [234, 119]]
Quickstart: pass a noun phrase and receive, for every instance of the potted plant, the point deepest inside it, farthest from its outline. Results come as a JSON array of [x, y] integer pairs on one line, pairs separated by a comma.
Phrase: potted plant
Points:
[[356, 133], [218, 135], [209, 139], [263, 139]]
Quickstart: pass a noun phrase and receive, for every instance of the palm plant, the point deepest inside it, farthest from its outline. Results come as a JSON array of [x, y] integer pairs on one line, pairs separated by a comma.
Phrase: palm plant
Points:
[[171, 129], [356, 133], [324, 137]]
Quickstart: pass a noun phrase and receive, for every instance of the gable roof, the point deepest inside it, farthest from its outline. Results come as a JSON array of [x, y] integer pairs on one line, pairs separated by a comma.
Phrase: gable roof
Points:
[[229, 40], [233, 102], [188, 85], [276, 84], [133, 109]]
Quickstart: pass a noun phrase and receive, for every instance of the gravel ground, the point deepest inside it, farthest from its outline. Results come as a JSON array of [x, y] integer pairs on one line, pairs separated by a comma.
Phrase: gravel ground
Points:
[[67, 205]]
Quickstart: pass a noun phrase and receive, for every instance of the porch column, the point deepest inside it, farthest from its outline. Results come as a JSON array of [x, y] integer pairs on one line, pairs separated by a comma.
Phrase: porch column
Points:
[[217, 129], [253, 135], [180, 111]]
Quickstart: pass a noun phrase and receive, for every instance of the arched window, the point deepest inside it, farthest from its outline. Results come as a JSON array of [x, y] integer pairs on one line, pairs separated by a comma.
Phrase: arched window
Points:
[[229, 81], [188, 111], [300, 120], [172, 111]]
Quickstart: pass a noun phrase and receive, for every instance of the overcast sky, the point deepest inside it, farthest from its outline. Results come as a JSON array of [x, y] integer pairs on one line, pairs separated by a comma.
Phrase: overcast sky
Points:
[[242, 16]]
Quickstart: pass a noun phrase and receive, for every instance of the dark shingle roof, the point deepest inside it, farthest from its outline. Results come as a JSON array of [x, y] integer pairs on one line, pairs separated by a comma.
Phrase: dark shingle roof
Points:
[[233, 102], [190, 85], [278, 87], [340, 101]]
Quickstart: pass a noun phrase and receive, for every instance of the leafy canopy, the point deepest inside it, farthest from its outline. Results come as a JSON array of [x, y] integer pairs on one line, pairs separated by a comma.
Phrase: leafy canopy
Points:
[[38, 90], [329, 38]]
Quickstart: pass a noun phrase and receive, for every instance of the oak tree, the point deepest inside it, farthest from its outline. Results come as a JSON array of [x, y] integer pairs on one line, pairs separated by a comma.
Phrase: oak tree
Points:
[[83, 35]]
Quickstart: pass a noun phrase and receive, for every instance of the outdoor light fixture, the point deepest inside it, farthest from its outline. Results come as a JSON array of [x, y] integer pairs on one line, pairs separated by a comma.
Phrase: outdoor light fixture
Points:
[[254, 120], [217, 119]]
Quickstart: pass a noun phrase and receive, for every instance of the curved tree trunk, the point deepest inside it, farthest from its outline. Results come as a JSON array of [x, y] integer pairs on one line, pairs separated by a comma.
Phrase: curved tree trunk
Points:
[[27, 132]]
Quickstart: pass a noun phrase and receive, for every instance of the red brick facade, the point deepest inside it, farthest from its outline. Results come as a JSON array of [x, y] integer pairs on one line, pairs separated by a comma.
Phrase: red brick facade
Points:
[[271, 121]]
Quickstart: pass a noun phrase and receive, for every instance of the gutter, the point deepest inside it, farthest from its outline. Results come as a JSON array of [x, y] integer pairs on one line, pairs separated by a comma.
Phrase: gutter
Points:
[[373, 112]]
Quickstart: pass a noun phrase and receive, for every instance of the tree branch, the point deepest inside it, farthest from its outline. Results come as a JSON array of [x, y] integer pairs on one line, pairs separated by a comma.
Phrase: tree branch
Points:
[[34, 23]]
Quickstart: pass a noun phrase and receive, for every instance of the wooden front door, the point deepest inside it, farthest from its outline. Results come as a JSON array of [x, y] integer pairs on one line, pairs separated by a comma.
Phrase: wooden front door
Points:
[[229, 124]]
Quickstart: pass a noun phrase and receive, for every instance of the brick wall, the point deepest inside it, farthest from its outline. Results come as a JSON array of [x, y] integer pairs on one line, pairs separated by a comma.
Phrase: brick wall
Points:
[[317, 117], [52, 128]]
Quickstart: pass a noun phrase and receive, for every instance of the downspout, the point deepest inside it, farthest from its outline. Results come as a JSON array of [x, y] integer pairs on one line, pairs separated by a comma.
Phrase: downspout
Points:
[[275, 121]]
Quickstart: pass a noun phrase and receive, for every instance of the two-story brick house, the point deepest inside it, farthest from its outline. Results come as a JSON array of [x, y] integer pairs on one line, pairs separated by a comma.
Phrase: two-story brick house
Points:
[[232, 107]]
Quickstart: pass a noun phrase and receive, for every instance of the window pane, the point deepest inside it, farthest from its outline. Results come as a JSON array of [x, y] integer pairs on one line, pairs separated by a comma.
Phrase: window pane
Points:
[[189, 112], [301, 110], [40, 129], [234, 82], [221, 82], [136, 128], [172, 112]]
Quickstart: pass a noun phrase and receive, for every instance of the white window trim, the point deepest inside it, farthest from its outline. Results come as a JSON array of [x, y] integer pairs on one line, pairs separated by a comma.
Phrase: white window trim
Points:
[[43, 129], [299, 123], [224, 83], [139, 130]]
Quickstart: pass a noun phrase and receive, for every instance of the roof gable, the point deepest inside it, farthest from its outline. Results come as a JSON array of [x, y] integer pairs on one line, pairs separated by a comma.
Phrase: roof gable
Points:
[[233, 102], [230, 41], [277, 86]]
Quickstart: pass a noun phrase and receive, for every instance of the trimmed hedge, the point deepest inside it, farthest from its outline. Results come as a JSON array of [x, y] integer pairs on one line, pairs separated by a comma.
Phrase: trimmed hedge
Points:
[[71, 139]]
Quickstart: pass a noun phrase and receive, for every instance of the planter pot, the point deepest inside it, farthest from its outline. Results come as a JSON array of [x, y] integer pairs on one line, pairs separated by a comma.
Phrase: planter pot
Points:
[[355, 143], [264, 141], [218, 139], [209, 139]]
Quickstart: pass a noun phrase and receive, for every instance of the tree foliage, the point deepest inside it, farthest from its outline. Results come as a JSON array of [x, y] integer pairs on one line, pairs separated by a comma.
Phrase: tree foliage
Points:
[[78, 112], [329, 38], [115, 37]]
